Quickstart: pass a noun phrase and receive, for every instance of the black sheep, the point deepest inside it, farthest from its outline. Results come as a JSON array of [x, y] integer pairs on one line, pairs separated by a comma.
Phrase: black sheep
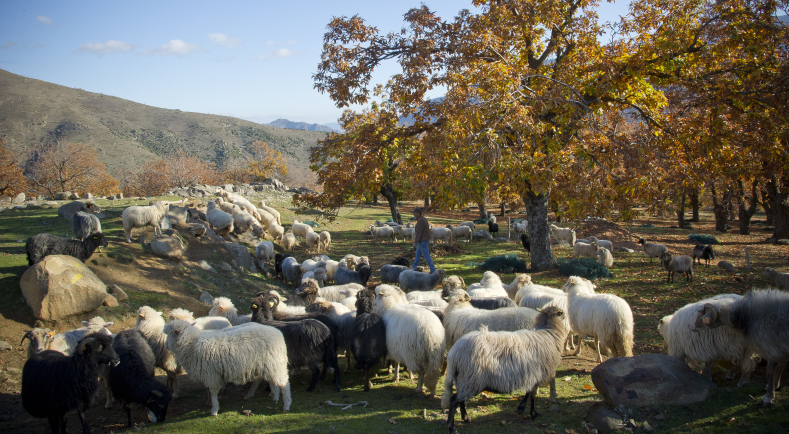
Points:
[[525, 242], [309, 341], [493, 228], [278, 258], [54, 384], [492, 303], [133, 380], [41, 245], [703, 251], [401, 261], [344, 275], [369, 335]]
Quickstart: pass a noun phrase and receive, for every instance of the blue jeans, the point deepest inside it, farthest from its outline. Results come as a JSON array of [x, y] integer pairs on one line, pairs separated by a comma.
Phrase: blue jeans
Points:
[[423, 251]]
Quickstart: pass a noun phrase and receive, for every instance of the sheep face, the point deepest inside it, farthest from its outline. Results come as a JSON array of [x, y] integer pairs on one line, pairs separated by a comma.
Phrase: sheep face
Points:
[[708, 316], [99, 350], [318, 307], [157, 404], [309, 286], [146, 313], [40, 338]]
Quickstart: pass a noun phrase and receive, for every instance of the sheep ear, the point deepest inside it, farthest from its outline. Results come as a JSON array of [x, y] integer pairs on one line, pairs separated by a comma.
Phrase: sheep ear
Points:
[[109, 324], [142, 315], [51, 334], [710, 314], [159, 313]]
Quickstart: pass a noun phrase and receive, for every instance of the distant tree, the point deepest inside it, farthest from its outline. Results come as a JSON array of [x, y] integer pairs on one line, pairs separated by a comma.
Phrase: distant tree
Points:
[[12, 179], [62, 166], [237, 171], [174, 171], [265, 162]]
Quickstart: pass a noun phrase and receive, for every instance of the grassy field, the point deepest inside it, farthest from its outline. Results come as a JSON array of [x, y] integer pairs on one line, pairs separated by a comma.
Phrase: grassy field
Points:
[[393, 407]]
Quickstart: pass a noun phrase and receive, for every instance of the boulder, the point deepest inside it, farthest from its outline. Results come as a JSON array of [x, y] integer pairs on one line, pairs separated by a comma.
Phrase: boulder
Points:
[[605, 420], [240, 254], [726, 266], [485, 235], [197, 230], [68, 210], [782, 242], [65, 195], [5, 200], [117, 292], [87, 196], [206, 298], [651, 379], [110, 301], [59, 286], [177, 214], [168, 248], [20, 198]]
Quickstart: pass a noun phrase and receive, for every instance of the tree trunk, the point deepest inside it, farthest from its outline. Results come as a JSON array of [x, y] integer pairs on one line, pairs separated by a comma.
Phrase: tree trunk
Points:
[[778, 189], [388, 192], [537, 208], [427, 203], [767, 204], [375, 199], [483, 212], [502, 209], [745, 214], [720, 209], [695, 203], [681, 212]]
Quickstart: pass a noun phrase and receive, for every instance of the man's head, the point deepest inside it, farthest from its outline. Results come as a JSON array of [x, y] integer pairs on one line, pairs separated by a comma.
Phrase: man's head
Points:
[[417, 212]]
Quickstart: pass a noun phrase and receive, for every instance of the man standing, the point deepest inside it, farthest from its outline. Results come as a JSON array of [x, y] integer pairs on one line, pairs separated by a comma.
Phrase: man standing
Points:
[[421, 240]]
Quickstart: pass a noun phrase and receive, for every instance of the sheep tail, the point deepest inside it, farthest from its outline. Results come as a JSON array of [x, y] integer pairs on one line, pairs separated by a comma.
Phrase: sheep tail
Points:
[[448, 384], [623, 343]]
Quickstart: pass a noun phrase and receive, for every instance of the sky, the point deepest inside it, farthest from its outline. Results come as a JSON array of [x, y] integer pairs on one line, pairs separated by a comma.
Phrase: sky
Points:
[[248, 59]]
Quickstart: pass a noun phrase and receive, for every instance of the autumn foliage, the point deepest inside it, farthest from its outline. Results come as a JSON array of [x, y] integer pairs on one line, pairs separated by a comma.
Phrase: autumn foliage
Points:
[[12, 179], [173, 171], [68, 167]]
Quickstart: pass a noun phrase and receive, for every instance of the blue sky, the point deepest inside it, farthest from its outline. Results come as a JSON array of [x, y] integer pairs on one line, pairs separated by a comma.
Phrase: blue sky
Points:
[[248, 59]]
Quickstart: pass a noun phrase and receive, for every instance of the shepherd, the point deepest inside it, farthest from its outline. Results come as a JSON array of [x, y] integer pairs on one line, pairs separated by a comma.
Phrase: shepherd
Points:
[[421, 240]]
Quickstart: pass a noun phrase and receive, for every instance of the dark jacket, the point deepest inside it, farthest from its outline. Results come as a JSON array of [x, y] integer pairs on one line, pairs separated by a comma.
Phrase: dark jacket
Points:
[[421, 230]]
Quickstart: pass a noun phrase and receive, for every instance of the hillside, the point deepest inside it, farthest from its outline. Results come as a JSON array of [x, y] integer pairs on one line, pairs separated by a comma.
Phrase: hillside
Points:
[[127, 133], [284, 123]]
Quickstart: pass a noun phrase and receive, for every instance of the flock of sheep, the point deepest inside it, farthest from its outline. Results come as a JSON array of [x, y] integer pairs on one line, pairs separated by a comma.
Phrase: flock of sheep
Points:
[[488, 335]]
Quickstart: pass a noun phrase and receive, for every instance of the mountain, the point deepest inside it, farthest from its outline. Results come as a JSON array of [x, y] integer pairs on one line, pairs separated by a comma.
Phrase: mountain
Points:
[[127, 134], [284, 123]]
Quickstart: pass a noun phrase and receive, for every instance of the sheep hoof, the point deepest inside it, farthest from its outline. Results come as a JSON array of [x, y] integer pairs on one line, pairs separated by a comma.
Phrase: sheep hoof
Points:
[[467, 419]]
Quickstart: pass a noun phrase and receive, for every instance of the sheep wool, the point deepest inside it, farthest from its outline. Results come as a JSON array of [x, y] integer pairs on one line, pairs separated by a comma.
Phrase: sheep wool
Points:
[[151, 324], [313, 241], [604, 257], [220, 221], [140, 216], [264, 251], [411, 280], [84, 224], [223, 307], [461, 317], [781, 279], [289, 242], [39, 340], [652, 250]]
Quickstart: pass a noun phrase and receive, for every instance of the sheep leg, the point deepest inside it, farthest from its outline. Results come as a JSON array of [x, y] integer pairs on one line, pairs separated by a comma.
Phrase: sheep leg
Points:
[[779, 370], [419, 381], [130, 422], [578, 349], [254, 388], [54, 423], [315, 374], [463, 415], [708, 370], [367, 384], [522, 405], [553, 389], [410, 374], [172, 383], [336, 367], [597, 346], [214, 400], [397, 372], [83, 420], [108, 392], [453, 405]]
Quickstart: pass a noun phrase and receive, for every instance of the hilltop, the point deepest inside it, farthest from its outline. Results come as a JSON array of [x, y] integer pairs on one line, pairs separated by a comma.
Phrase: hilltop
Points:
[[284, 123], [126, 134]]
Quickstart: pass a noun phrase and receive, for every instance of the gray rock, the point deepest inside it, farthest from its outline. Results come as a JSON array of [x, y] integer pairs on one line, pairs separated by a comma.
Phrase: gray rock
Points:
[[206, 266], [625, 250], [5, 200], [87, 196], [726, 266], [177, 214], [73, 196], [554, 409], [206, 298], [253, 269], [3, 208], [225, 266], [782, 242], [20, 198], [20, 206], [647, 427], [59, 286], [485, 235], [169, 248], [605, 420], [197, 230], [649, 380], [240, 254], [110, 301], [5, 346], [63, 195], [660, 416], [68, 210], [117, 292]]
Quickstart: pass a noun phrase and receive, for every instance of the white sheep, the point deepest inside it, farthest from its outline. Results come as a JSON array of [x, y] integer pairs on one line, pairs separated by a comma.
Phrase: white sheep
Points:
[[66, 342], [414, 336], [382, 233], [471, 225], [407, 233], [318, 275], [781, 279], [150, 324], [411, 280], [300, 229], [313, 241], [536, 299], [533, 287], [504, 362], [264, 251], [271, 211], [239, 200], [605, 316], [203, 323], [585, 250], [461, 232], [521, 228], [224, 205], [722, 343], [602, 243], [653, 250], [604, 257], [563, 234], [325, 237], [491, 286], [338, 293], [141, 216], [222, 306], [441, 234], [220, 221], [289, 242], [239, 355], [276, 231], [242, 220]]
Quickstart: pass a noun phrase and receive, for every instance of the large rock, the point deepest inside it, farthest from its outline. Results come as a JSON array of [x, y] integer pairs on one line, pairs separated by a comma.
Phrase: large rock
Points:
[[485, 235], [240, 254], [68, 210], [62, 195], [169, 248], [650, 379], [59, 286], [177, 214], [20, 198]]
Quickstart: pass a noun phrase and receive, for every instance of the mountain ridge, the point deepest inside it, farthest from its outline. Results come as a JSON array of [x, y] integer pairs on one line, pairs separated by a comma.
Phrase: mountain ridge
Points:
[[292, 125]]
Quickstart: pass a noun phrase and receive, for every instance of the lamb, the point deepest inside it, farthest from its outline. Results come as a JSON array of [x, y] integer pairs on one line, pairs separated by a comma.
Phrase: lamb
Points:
[[441, 234], [141, 216], [271, 211], [471, 225], [602, 243], [220, 221], [313, 241], [308, 342], [133, 379], [585, 250], [222, 306], [521, 228], [151, 324], [762, 317], [491, 286], [605, 316], [677, 264], [781, 279], [300, 229], [250, 352], [54, 384], [369, 336], [604, 257], [41, 245], [484, 360], [651, 249], [533, 287], [276, 231], [344, 275], [289, 241], [391, 273], [318, 275], [40, 339], [414, 336], [382, 233], [83, 224], [461, 317], [563, 234], [460, 232], [493, 228], [325, 238], [265, 251], [721, 343], [411, 280], [703, 251]]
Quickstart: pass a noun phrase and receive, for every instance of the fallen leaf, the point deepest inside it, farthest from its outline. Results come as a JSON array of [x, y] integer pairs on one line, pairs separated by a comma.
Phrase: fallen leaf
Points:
[[393, 422], [504, 422], [586, 386]]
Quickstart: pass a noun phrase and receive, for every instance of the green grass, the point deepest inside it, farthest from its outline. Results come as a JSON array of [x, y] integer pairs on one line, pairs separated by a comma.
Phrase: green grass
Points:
[[396, 407]]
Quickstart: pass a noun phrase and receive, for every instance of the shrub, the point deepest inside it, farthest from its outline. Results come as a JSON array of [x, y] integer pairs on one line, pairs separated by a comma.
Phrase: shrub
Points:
[[509, 263], [703, 239], [588, 268]]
